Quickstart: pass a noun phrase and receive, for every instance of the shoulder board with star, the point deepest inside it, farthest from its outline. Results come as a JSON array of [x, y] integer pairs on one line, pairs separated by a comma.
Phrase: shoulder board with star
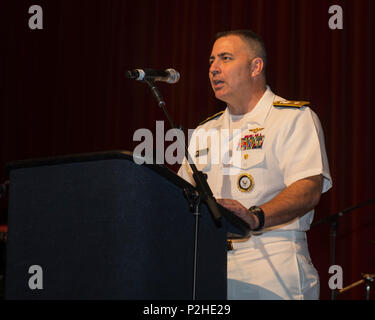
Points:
[[215, 116], [290, 104]]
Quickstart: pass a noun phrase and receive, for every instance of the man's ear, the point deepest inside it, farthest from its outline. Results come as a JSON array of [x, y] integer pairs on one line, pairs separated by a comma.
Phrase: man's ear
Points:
[[256, 66]]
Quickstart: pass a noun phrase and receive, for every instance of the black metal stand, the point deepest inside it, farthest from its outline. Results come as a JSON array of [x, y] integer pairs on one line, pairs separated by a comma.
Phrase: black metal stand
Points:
[[194, 196], [194, 200], [333, 222], [367, 279], [199, 177]]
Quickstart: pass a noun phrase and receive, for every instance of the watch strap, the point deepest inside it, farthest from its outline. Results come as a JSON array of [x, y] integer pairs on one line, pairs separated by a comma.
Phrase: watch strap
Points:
[[260, 214]]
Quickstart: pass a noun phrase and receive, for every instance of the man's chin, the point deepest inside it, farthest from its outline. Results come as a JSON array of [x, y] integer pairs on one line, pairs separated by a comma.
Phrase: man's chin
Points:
[[220, 95]]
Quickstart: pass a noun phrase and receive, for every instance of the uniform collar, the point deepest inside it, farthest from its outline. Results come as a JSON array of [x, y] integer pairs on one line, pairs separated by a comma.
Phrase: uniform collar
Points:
[[258, 115]]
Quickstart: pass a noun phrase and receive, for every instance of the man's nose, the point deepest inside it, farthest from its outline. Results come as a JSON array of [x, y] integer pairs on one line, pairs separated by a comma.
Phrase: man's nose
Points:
[[214, 69]]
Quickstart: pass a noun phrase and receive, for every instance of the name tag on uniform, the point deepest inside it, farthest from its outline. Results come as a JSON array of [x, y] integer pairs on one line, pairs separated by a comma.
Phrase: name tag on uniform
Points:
[[202, 152]]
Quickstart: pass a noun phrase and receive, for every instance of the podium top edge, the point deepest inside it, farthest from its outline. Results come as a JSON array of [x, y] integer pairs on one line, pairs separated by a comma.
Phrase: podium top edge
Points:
[[98, 156], [70, 158]]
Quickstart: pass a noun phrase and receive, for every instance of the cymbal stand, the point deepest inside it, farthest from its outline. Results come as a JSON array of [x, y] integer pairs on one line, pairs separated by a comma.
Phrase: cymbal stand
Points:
[[332, 220], [367, 279]]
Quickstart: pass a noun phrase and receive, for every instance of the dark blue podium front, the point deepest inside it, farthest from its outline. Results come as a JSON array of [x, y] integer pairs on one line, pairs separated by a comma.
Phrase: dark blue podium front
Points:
[[100, 226]]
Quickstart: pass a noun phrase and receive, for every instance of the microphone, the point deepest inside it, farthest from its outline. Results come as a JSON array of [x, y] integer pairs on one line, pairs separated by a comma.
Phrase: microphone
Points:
[[168, 75]]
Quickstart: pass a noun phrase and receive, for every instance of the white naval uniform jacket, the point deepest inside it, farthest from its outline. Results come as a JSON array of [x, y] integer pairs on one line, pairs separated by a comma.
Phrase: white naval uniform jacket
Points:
[[268, 149]]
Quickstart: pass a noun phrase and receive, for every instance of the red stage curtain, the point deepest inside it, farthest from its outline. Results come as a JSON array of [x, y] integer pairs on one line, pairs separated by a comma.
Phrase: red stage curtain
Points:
[[63, 91]]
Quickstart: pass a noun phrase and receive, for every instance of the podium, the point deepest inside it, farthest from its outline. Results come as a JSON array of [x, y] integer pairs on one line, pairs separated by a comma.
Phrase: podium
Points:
[[99, 226]]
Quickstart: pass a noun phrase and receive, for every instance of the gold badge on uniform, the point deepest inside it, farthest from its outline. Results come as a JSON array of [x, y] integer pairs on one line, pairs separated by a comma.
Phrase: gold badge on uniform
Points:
[[245, 182]]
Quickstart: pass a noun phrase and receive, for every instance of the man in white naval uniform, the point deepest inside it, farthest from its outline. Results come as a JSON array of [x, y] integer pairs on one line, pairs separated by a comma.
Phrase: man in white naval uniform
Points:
[[265, 161]]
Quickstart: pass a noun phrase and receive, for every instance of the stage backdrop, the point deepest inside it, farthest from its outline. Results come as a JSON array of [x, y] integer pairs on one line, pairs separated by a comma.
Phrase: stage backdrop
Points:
[[63, 90]]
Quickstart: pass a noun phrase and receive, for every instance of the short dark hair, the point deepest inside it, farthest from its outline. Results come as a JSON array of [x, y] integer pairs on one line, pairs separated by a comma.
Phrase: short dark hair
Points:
[[252, 39]]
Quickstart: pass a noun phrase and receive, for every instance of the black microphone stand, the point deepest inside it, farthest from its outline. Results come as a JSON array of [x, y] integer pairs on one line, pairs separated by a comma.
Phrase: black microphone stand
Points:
[[194, 196], [333, 222]]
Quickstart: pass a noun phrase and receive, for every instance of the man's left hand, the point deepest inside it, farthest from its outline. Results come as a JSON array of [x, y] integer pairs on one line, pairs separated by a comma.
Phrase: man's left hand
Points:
[[240, 211]]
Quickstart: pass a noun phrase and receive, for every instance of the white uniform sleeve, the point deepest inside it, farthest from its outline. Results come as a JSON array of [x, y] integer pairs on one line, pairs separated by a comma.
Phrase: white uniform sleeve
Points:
[[301, 149]]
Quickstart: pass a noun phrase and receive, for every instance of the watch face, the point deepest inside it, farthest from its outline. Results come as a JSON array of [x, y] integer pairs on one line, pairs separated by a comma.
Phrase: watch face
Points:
[[245, 182]]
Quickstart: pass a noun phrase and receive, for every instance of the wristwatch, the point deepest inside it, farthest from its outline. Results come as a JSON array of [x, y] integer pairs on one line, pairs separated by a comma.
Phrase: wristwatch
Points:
[[260, 214]]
